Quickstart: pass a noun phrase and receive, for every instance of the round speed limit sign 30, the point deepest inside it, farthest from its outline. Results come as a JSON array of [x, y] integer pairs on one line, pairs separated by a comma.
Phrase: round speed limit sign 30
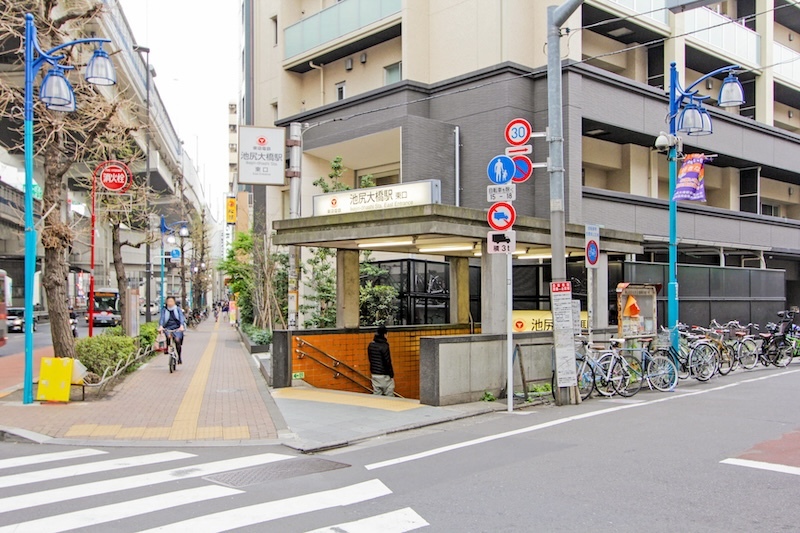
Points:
[[518, 131]]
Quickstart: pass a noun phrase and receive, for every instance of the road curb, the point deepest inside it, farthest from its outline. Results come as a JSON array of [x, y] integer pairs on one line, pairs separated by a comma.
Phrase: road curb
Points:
[[9, 434]]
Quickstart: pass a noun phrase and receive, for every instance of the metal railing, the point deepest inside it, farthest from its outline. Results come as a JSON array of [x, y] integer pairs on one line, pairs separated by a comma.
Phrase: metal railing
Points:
[[654, 9], [787, 63], [729, 38]]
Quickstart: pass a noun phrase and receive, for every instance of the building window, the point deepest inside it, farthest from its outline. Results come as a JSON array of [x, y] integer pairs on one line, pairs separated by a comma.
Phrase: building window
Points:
[[393, 73], [748, 109], [340, 93], [655, 66], [274, 113], [771, 210], [748, 190], [232, 109], [274, 21], [232, 147], [232, 128]]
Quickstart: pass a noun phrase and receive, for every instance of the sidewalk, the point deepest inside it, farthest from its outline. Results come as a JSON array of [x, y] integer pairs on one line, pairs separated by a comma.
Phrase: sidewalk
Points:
[[217, 397]]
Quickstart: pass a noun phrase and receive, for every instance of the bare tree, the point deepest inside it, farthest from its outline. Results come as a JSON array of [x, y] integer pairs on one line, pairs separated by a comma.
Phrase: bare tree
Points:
[[64, 141]]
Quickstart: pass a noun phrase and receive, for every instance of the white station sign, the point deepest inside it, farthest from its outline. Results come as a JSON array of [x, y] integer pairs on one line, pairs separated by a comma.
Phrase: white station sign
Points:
[[409, 194], [262, 153]]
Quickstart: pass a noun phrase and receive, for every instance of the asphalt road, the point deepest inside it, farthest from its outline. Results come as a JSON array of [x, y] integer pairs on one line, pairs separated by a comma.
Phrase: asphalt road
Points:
[[650, 463]]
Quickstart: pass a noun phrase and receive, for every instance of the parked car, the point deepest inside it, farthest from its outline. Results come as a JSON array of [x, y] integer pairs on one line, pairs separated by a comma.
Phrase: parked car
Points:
[[153, 309], [15, 320]]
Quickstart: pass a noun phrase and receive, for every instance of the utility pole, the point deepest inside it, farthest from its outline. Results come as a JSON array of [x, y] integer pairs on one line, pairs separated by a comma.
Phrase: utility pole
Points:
[[148, 316], [556, 16]]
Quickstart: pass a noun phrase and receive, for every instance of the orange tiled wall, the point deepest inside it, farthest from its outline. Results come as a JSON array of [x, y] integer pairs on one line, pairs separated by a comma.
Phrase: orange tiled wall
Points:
[[351, 348]]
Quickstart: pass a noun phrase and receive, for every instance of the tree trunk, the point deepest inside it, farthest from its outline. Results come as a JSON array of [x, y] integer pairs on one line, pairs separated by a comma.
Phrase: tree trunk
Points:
[[122, 280], [56, 240]]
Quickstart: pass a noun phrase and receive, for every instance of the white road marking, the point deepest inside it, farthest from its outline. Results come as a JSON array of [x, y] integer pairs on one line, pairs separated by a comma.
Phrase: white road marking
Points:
[[558, 422], [264, 512], [783, 469], [394, 522], [90, 468], [24, 501], [27, 460], [398, 521], [118, 511]]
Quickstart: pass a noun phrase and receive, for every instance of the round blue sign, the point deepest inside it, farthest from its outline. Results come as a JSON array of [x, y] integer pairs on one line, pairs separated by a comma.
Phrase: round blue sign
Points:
[[592, 252], [500, 170]]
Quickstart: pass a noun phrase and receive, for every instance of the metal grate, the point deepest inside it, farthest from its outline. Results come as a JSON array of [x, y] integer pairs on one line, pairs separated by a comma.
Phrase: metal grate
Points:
[[300, 466]]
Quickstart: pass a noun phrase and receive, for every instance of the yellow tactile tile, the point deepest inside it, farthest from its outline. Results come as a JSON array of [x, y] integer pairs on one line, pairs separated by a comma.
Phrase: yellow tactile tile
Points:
[[156, 433], [130, 433], [211, 432], [106, 431], [347, 398], [80, 430], [235, 432]]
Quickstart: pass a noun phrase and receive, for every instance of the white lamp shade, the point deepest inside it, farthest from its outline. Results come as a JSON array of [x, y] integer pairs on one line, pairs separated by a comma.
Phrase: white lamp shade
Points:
[[690, 119], [171, 239], [55, 89], [731, 94], [100, 70], [184, 231], [66, 108], [706, 128]]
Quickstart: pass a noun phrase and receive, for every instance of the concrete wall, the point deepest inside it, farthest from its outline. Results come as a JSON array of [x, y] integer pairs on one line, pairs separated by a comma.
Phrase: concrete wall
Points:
[[460, 369]]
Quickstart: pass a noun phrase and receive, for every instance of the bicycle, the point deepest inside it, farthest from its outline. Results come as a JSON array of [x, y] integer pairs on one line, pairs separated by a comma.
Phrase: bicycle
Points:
[[628, 372], [172, 350], [695, 357], [743, 344], [716, 336]]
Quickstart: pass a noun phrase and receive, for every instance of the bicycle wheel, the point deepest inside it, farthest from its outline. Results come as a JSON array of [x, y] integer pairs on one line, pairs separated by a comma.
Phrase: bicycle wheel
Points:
[[681, 368], [602, 375], [703, 361], [585, 377], [661, 373], [782, 353], [747, 353], [173, 358], [627, 376], [726, 359]]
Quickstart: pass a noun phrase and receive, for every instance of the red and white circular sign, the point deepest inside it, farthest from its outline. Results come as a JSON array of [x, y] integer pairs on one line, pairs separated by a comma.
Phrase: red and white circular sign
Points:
[[501, 216], [115, 177], [518, 131], [262, 141]]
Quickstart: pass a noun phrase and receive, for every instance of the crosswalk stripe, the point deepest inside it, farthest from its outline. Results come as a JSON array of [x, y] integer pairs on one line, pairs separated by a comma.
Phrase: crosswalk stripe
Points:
[[395, 522], [24, 501], [119, 511], [27, 460], [772, 467], [90, 468], [264, 512]]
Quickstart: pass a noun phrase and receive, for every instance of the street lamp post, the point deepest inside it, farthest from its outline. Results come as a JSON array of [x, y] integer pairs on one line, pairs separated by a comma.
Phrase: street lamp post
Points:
[[56, 93], [169, 229], [148, 266], [691, 119]]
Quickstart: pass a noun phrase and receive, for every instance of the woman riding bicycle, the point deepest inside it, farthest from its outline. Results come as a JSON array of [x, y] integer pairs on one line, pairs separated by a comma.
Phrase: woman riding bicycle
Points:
[[172, 319]]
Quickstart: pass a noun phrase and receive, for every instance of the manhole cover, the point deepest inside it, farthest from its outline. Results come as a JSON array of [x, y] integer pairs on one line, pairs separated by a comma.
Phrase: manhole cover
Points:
[[275, 471]]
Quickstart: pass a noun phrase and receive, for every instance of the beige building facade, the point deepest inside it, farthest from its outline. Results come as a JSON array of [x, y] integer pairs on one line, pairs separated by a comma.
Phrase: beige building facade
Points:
[[410, 90]]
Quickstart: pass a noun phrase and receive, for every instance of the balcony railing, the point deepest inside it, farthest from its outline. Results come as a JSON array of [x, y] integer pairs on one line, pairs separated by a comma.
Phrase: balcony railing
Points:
[[729, 38], [331, 23], [654, 9], [787, 63]]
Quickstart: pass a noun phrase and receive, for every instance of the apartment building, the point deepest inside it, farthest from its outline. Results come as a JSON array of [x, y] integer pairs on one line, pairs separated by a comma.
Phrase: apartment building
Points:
[[409, 90]]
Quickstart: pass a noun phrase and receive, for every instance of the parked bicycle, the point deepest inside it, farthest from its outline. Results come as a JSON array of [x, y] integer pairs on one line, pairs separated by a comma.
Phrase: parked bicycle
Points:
[[696, 356]]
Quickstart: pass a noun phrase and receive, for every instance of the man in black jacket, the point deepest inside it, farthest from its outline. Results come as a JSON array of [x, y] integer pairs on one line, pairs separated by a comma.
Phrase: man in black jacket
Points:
[[380, 364]]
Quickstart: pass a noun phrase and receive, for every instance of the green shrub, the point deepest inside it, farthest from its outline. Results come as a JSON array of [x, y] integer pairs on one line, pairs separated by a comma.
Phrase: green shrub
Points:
[[116, 331], [257, 335], [147, 334], [99, 353]]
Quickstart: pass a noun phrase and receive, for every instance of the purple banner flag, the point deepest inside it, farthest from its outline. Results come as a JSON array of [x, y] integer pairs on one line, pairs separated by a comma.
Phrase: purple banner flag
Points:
[[690, 184]]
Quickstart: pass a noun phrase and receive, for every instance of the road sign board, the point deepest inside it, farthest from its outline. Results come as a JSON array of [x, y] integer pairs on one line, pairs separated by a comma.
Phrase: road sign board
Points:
[[501, 216], [511, 151], [501, 193], [501, 242], [500, 169], [518, 131], [523, 168], [174, 260], [592, 245], [561, 304], [175, 253], [115, 177]]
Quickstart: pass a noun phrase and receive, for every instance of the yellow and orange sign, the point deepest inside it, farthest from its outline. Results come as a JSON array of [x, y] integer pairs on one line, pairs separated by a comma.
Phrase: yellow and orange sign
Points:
[[538, 320], [230, 210]]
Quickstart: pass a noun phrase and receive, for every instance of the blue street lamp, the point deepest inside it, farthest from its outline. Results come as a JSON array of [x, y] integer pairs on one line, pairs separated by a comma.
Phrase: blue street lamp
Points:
[[692, 119], [57, 95], [170, 229]]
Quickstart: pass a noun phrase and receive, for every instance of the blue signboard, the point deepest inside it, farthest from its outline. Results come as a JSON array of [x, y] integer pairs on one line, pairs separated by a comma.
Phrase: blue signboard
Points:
[[175, 253], [500, 170]]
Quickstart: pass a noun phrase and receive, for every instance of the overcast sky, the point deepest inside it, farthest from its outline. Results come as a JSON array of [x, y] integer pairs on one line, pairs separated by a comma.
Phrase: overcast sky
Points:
[[194, 49]]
